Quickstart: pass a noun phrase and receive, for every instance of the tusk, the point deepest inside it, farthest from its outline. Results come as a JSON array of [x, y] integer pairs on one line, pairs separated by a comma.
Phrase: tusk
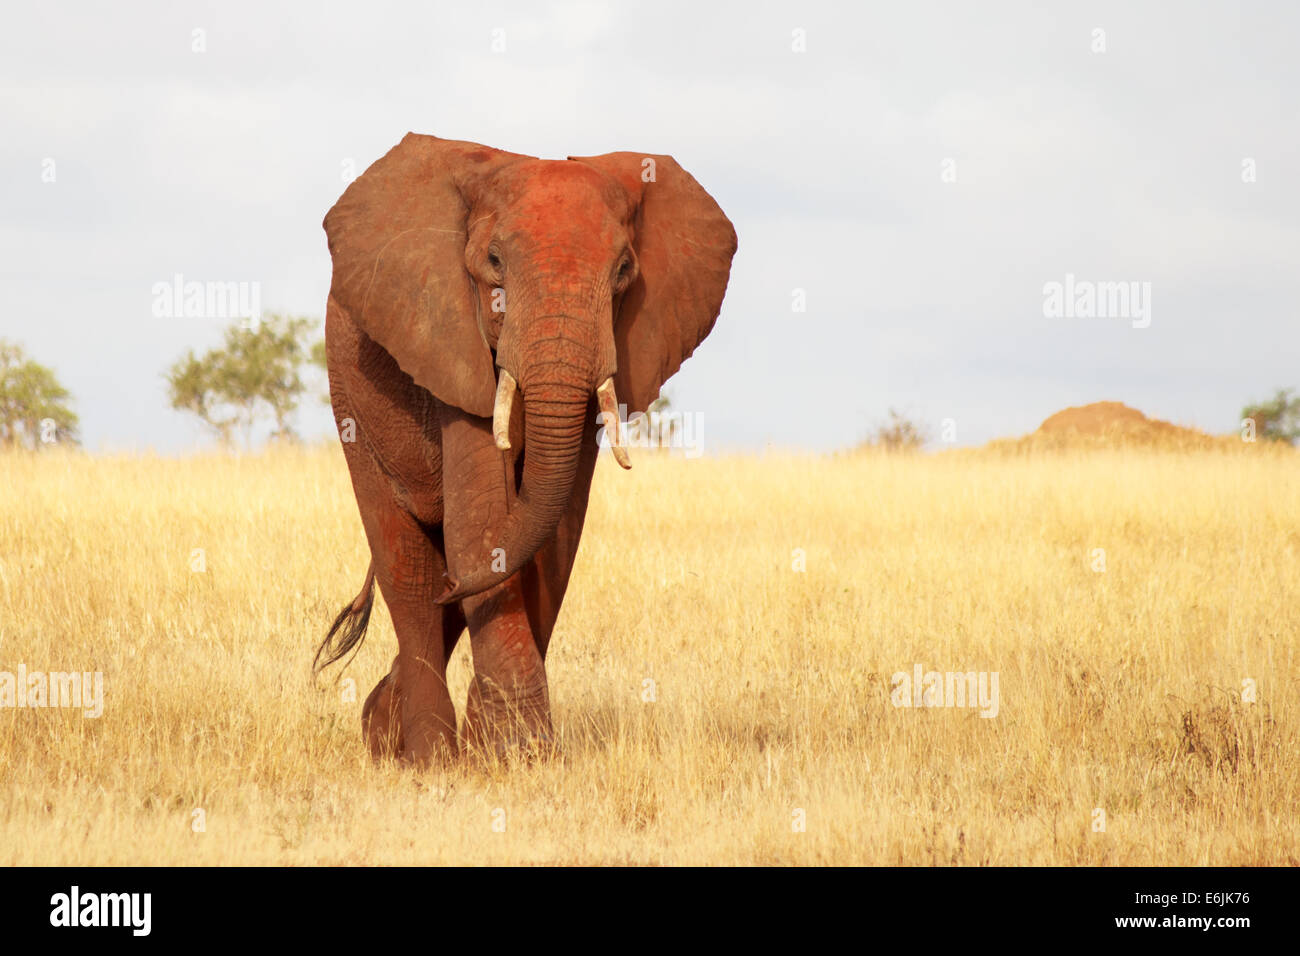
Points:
[[613, 428], [506, 388]]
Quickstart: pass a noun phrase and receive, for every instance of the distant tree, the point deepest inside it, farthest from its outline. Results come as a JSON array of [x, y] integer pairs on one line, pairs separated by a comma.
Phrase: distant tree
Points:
[[899, 433], [33, 405], [658, 425], [1277, 419], [318, 360], [256, 374]]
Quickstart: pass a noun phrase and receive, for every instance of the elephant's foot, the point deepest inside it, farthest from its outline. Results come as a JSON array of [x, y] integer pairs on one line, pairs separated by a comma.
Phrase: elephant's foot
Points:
[[381, 718], [502, 725], [427, 743], [417, 740]]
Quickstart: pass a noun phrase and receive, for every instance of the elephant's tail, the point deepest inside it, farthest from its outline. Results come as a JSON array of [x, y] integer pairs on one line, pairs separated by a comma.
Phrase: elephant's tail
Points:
[[349, 628]]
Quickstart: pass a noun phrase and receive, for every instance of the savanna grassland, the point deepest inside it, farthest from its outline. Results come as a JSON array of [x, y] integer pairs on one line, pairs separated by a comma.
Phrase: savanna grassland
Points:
[[1120, 689]]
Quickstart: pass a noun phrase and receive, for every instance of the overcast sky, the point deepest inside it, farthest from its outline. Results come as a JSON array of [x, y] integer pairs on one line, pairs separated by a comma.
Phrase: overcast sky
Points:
[[1128, 164]]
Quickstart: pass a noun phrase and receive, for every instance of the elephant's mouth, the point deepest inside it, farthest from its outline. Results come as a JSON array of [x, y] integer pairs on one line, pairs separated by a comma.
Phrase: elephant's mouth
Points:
[[507, 388]]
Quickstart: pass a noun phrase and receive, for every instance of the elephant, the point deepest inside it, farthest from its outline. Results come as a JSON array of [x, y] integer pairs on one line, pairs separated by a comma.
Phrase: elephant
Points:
[[488, 312]]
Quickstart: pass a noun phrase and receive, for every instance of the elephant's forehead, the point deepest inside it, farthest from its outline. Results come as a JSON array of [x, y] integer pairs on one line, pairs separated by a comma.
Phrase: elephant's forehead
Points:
[[559, 188]]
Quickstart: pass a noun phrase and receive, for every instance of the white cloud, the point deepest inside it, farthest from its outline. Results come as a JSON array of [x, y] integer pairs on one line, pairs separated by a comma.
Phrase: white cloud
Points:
[[922, 293]]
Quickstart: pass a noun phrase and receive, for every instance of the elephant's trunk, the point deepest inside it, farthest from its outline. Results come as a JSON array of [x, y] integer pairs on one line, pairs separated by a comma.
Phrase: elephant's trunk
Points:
[[555, 416]]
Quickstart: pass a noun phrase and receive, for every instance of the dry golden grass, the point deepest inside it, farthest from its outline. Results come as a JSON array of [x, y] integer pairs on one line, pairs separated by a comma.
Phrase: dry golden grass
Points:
[[1119, 690]]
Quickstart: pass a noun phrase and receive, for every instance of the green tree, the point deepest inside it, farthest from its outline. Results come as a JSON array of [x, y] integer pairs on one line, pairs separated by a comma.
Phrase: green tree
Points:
[[899, 433], [657, 425], [33, 405], [318, 360], [256, 374], [1277, 419]]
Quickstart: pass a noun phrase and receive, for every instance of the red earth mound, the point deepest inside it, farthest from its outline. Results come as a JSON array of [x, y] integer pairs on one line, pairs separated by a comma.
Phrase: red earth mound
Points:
[[1096, 419], [1104, 424]]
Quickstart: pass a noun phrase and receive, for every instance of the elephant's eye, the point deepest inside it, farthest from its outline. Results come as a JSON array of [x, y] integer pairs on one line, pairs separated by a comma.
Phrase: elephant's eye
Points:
[[494, 260], [624, 273]]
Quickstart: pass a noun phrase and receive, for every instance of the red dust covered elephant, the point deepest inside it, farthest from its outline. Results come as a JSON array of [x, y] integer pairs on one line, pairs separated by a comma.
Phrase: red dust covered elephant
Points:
[[487, 312]]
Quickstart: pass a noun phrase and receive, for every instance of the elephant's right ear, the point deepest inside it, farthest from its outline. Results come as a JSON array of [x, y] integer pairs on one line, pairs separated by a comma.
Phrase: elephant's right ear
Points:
[[397, 236]]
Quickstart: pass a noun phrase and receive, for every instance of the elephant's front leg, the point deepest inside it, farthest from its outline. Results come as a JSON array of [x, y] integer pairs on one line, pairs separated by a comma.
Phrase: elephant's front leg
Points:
[[509, 705], [409, 714]]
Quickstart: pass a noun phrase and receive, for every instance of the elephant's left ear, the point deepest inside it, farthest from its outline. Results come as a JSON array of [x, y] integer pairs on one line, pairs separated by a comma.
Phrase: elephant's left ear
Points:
[[397, 237], [684, 244]]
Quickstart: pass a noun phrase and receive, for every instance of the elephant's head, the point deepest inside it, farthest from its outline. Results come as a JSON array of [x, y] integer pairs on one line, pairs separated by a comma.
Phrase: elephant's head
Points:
[[484, 273]]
